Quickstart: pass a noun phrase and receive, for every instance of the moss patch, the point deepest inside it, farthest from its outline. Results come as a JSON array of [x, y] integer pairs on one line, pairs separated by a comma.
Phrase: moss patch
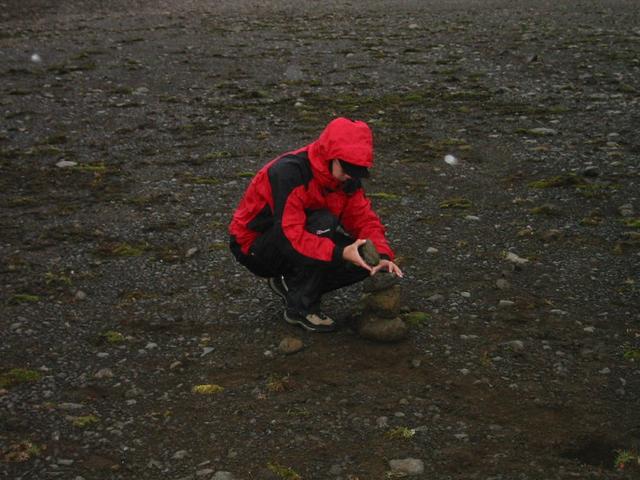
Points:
[[24, 298], [456, 202], [207, 389], [417, 319], [632, 222], [111, 336], [569, 180], [400, 433], [121, 249], [85, 421], [21, 452], [383, 195], [281, 471], [17, 376]]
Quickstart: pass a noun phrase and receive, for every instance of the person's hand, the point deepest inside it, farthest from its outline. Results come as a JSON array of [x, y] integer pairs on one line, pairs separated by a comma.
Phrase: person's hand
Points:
[[389, 266], [352, 255]]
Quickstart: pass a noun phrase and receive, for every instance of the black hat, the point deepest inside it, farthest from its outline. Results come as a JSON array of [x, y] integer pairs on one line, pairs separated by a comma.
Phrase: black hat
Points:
[[354, 171]]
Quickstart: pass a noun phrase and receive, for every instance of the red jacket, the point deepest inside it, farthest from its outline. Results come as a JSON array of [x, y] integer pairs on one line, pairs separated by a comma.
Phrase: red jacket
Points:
[[284, 189]]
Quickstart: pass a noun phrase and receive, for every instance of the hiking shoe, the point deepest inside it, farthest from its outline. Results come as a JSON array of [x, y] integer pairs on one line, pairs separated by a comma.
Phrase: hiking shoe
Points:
[[313, 321], [277, 285]]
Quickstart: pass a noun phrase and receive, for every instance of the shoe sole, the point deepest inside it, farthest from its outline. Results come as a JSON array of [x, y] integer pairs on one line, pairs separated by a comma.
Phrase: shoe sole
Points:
[[310, 328]]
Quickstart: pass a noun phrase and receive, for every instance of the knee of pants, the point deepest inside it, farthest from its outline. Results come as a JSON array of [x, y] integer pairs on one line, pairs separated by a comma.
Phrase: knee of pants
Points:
[[322, 223]]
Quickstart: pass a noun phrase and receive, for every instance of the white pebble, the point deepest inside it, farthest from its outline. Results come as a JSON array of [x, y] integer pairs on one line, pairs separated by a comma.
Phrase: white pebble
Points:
[[450, 159]]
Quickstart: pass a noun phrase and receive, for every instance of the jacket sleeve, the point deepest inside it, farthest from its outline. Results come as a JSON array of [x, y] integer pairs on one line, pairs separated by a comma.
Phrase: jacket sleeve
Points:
[[361, 221], [288, 189]]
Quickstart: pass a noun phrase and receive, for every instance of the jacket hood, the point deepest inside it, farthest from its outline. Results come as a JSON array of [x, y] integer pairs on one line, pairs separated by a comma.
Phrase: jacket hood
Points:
[[344, 139]]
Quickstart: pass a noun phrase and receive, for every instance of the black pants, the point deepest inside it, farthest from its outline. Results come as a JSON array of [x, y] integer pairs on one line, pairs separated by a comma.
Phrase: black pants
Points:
[[306, 284]]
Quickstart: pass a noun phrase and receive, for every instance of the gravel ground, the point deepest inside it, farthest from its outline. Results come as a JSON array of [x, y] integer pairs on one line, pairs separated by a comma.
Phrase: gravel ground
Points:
[[129, 132]]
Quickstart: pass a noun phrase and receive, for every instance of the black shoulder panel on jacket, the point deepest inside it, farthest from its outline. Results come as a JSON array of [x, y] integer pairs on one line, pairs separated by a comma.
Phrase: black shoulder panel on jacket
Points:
[[286, 174], [292, 166]]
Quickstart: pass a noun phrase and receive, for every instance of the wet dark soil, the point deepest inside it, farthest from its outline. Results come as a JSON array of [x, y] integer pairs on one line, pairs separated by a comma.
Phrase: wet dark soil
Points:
[[128, 133]]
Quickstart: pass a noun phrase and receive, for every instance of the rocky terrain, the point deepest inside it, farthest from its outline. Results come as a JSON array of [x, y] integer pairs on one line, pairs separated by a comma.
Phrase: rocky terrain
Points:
[[134, 347]]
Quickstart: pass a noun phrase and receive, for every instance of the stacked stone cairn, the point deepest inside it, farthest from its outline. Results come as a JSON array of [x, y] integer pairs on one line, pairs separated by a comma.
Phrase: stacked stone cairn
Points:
[[379, 318]]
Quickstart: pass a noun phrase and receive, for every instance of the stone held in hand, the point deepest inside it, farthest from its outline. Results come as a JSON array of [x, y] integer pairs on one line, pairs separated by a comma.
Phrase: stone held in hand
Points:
[[369, 253], [382, 329]]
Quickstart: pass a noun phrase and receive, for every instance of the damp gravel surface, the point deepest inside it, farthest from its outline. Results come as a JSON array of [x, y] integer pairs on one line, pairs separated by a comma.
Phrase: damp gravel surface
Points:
[[134, 347]]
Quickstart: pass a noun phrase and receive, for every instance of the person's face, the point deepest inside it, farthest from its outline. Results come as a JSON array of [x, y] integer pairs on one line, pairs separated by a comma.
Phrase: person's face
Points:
[[338, 173]]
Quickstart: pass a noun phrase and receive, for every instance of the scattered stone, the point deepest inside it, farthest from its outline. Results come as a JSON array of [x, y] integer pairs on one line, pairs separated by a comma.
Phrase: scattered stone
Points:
[[432, 250], [382, 329], [335, 470], [468, 337], [591, 171], [626, 210], [506, 303], [465, 294], [589, 329], [191, 252], [436, 299], [543, 131], [70, 406], [451, 160], [382, 422], [221, 475], [151, 346], [290, 345], [66, 164], [293, 73], [515, 345], [472, 218], [204, 472], [175, 365], [407, 466], [605, 371], [80, 295], [553, 235], [557, 311], [104, 373], [180, 454], [206, 351], [512, 257]]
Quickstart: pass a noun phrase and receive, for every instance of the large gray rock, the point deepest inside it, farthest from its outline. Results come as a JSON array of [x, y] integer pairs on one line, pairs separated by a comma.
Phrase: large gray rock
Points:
[[382, 329], [290, 345]]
